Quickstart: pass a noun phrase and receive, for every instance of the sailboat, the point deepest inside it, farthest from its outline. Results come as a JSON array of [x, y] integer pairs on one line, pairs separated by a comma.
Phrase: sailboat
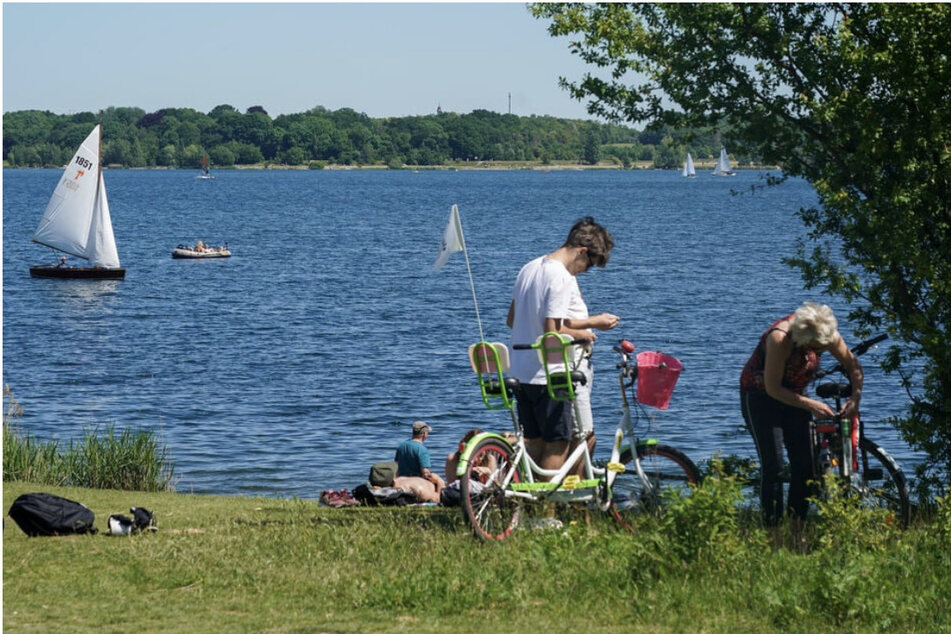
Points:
[[689, 171], [77, 220], [205, 174], [723, 165]]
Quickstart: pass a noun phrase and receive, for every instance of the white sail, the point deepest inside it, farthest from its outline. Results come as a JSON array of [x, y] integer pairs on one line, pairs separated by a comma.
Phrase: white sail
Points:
[[101, 244], [723, 165], [77, 220], [65, 223], [688, 166]]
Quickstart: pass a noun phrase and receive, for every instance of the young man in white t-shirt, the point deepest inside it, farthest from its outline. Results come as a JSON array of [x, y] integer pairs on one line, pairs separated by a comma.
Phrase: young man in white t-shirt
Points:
[[546, 298]]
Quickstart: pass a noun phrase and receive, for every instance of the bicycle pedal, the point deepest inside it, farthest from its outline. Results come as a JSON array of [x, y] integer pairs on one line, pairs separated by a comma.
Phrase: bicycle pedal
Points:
[[571, 482], [616, 467]]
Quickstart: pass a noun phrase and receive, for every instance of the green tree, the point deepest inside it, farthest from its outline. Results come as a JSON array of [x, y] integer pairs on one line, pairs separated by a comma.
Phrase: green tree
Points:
[[227, 122], [221, 155], [293, 156], [190, 157], [167, 156], [591, 145], [247, 154], [853, 98], [667, 154], [342, 136]]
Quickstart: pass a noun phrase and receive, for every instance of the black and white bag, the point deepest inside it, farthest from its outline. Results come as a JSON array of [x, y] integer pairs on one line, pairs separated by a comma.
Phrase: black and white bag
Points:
[[47, 514], [142, 520]]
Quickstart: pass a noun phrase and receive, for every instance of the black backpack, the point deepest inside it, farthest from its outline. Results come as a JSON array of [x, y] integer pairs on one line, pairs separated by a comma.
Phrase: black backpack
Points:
[[47, 514]]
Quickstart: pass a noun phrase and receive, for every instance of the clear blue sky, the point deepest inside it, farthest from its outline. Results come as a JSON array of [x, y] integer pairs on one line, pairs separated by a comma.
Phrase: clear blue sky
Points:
[[384, 59]]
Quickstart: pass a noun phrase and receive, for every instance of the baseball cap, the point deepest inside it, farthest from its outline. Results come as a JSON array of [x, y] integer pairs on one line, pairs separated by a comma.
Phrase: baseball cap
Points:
[[419, 427]]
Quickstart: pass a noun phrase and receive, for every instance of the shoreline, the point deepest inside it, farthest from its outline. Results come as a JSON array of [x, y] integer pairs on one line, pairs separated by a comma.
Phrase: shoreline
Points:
[[453, 167]]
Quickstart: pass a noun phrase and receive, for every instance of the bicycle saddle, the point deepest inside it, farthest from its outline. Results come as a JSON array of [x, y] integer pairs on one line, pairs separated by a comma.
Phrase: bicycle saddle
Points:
[[492, 385], [841, 389]]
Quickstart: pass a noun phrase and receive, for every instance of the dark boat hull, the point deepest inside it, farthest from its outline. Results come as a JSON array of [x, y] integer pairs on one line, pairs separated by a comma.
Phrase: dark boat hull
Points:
[[76, 272]]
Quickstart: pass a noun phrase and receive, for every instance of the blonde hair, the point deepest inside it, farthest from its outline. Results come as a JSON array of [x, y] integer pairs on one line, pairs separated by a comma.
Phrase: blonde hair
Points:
[[814, 322]]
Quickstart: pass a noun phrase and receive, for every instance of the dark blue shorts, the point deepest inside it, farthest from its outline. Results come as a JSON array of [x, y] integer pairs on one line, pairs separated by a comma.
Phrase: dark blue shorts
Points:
[[541, 416]]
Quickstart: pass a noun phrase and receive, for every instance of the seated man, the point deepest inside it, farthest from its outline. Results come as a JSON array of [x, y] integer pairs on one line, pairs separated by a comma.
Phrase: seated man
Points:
[[412, 458]]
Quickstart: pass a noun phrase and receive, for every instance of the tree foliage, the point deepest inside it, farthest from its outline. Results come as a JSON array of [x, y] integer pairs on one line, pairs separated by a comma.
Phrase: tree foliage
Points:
[[178, 137], [852, 97]]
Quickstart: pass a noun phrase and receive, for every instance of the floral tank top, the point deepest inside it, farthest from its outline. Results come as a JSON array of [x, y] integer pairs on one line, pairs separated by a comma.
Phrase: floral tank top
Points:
[[799, 372]]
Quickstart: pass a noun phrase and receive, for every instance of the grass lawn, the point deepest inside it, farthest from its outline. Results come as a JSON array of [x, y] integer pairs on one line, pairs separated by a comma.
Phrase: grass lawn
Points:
[[236, 564]]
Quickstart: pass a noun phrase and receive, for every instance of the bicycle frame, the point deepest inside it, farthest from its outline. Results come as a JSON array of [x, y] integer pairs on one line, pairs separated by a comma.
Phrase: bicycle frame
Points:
[[845, 433]]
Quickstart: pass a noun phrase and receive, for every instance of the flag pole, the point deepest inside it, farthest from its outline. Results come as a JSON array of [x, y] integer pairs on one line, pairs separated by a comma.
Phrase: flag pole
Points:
[[454, 240], [475, 302]]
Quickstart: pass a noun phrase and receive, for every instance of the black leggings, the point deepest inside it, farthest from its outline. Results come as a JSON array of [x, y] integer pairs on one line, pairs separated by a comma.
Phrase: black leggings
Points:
[[774, 424]]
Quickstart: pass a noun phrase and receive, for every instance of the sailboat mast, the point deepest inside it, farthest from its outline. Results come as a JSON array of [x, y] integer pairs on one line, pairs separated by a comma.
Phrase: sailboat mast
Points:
[[99, 159]]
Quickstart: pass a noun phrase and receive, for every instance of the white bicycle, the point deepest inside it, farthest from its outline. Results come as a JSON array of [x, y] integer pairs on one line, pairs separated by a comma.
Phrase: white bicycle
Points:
[[497, 477]]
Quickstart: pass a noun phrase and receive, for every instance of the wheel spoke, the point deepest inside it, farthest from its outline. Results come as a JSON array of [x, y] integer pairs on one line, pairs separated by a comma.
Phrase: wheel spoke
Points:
[[664, 467], [491, 515], [889, 489]]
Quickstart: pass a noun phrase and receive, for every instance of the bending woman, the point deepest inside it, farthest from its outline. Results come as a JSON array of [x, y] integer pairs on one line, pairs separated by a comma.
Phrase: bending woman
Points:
[[775, 408]]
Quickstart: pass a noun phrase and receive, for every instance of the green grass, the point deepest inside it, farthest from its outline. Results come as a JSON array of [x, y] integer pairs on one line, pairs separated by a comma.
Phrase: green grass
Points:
[[226, 564]]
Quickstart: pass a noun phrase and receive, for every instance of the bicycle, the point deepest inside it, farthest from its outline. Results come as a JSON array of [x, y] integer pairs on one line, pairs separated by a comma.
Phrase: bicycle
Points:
[[497, 477], [862, 467]]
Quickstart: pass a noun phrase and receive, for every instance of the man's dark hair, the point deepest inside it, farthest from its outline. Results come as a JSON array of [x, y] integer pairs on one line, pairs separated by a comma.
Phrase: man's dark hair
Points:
[[587, 233]]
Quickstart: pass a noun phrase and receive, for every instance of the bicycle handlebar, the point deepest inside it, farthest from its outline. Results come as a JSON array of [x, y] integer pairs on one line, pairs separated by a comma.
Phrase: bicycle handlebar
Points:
[[858, 349], [862, 347], [535, 346]]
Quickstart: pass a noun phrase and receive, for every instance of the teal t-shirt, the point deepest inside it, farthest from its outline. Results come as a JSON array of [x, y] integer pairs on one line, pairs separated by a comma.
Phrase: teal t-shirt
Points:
[[411, 458]]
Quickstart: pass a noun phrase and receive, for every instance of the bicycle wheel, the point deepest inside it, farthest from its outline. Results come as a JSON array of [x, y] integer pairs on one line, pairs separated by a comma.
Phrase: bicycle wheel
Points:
[[491, 514], [665, 468], [881, 482]]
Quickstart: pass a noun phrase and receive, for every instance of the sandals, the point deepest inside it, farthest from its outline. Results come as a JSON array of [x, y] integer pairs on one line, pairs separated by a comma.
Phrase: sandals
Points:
[[338, 499]]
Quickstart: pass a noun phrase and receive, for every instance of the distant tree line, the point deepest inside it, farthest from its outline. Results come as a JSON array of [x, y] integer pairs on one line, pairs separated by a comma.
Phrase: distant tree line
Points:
[[178, 137]]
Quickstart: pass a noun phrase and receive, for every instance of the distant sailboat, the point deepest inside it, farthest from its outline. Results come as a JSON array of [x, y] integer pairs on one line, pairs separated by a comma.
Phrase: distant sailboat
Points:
[[689, 171], [77, 220], [723, 165], [205, 173]]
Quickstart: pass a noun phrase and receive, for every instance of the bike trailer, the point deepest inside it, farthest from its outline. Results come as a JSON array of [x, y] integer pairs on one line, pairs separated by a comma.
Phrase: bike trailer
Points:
[[657, 375]]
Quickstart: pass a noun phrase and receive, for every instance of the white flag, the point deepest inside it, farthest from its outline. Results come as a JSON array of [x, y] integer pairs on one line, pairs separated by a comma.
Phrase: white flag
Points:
[[452, 239]]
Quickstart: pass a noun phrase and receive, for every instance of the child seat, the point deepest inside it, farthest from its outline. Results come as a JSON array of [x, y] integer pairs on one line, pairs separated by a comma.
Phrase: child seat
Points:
[[554, 351], [490, 361]]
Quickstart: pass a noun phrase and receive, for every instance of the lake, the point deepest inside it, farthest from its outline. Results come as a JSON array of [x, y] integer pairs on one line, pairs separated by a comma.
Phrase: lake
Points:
[[292, 366]]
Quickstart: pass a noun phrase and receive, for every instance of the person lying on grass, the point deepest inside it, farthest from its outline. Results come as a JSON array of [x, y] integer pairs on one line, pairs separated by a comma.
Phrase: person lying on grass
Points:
[[420, 487]]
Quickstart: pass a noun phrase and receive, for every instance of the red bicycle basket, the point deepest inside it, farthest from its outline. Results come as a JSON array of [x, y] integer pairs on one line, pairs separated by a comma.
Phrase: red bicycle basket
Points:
[[656, 377]]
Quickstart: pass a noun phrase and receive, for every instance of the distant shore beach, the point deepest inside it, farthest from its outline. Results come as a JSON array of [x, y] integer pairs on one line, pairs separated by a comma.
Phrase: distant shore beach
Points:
[[450, 167]]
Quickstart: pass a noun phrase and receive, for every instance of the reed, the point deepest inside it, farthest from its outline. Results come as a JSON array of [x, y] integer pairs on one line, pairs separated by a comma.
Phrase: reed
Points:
[[130, 460]]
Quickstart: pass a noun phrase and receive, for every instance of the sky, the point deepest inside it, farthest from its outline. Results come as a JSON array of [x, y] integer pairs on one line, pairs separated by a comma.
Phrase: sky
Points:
[[381, 59]]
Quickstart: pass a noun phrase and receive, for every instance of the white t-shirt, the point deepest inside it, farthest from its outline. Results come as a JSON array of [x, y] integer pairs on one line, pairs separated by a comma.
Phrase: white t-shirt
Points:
[[544, 288], [577, 309]]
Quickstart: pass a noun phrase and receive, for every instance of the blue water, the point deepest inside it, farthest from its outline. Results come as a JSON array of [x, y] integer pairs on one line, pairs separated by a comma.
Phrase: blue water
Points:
[[295, 364]]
